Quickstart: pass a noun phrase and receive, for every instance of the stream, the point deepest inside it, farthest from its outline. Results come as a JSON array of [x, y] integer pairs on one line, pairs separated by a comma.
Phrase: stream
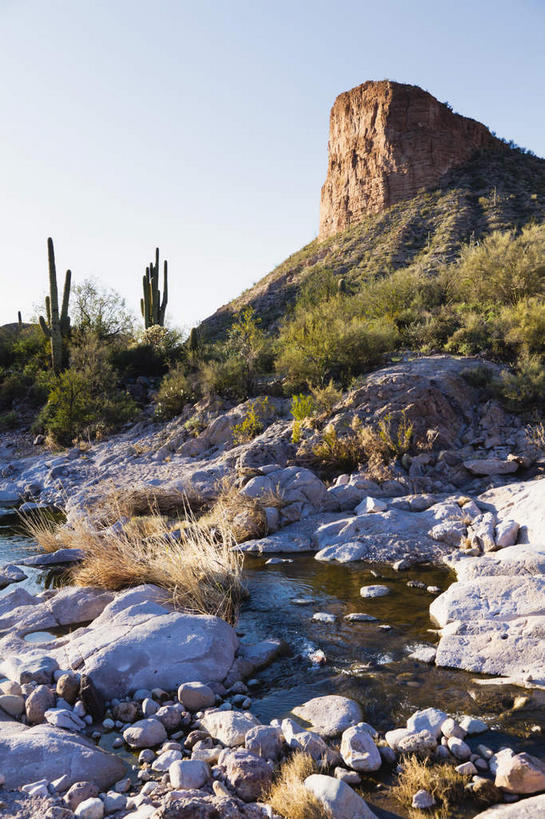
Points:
[[367, 661]]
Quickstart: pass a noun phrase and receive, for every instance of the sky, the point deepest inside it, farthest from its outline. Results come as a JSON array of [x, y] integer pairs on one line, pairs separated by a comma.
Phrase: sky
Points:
[[200, 126]]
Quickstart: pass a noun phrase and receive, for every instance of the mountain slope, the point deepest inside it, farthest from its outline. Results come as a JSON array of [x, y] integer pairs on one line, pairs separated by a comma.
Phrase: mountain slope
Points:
[[497, 189]]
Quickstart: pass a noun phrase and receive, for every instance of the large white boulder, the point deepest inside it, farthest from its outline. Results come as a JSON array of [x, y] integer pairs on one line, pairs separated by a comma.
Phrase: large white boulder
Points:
[[45, 752], [330, 715], [338, 797]]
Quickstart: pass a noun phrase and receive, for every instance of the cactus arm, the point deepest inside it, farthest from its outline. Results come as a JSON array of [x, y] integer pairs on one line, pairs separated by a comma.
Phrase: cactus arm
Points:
[[162, 309], [48, 310], [45, 329], [65, 319]]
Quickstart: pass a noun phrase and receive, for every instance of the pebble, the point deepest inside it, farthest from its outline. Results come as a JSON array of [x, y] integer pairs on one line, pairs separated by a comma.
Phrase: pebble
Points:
[[324, 617], [466, 769], [360, 617], [90, 809]]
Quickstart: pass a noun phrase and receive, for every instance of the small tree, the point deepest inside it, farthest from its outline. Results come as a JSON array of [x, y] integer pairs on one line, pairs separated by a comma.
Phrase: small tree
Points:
[[247, 342]]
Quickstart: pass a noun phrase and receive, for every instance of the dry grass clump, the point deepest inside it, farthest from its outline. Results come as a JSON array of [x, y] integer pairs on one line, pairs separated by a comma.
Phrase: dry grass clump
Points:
[[200, 570], [288, 796], [149, 500], [444, 783], [244, 516], [44, 529]]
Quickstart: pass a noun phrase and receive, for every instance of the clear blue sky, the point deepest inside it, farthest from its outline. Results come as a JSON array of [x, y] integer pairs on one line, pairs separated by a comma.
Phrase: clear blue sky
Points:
[[201, 126]]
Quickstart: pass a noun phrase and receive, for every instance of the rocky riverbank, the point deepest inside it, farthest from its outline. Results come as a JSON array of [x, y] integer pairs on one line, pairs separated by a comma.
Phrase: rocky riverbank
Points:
[[177, 687]]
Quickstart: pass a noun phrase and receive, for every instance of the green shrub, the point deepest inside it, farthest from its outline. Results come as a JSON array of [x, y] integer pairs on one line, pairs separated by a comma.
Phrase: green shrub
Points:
[[503, 268], [324, 343], [8, 420], [141, 359], [302, 406], [227, 378], [173, 394], [523, 388], [326, 397], [84, 400], [479, 376], [252, 423]]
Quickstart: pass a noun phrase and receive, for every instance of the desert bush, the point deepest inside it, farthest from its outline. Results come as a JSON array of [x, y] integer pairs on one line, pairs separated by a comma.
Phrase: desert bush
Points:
[[323, 343], [101, 311], [479, 376], [326, 397], [344, 453], [302, 407], [174, 393], [253, 422], [504, 268], [288, 796], [523, 326], [139, 359], [8, 420], [226, 378], [84, 400], [523, 388]]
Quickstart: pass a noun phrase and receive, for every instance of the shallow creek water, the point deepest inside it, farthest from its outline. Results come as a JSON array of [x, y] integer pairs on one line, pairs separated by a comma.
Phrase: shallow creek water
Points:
[[364, 661]]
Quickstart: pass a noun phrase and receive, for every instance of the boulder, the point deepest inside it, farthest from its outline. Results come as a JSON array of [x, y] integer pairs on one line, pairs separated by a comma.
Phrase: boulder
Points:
[[146, 733], [521, 773], [533, 808], [45, 752], [329, 715], [189, 773], [265, 741], [196, 696], [337, 797], [429, 719], [139, 643], [359, 751], [491, 466], [229, 727], [248, 774]]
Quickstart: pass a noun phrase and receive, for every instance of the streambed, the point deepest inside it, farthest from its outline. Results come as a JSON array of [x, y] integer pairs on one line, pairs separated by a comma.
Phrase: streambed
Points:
[[364, 660]]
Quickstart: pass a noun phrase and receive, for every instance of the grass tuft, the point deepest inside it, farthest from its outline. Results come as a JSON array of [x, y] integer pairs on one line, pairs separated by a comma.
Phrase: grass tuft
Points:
[[288, 796], [444, 783]]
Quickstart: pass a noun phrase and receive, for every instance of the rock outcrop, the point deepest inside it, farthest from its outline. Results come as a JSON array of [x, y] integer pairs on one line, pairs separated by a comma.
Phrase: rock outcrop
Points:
[[388, 140]]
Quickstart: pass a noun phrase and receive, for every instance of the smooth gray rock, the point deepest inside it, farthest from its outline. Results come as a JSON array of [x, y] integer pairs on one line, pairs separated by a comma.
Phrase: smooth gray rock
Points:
[[229, 727], [533, 808], [338, 797], [196, 696], [189, 773], [329, 715], [46, 752], [359, 751], [146, 733]]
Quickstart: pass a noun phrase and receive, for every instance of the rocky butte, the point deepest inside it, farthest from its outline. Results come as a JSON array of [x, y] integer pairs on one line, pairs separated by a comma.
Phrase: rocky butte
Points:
[[388, 140]]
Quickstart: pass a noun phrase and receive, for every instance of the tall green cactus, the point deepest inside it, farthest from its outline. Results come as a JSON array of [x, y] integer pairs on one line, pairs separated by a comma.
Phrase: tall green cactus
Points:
[[152, 307], [57, 326]]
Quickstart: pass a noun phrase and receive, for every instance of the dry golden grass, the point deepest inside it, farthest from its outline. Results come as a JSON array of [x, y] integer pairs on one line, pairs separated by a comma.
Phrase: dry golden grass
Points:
[[201, 572], [288, 796], [149, 500], [42, 528], [245, 516], [441, 780]]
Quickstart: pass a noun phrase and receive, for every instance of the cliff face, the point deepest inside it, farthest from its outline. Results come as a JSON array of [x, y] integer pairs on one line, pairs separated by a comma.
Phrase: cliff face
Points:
[[386, 142]]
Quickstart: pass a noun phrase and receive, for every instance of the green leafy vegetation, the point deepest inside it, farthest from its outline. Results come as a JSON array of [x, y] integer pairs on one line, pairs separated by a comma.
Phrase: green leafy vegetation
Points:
[[252, 423]]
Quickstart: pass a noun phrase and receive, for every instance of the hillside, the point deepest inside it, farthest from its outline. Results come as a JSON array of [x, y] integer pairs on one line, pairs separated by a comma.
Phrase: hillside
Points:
[[497, 189]]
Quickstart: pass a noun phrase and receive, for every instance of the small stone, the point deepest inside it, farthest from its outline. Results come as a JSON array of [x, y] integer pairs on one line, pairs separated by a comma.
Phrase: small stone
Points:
[[90, 809], [195, 696], [360, 617], [79, 792], [323, 617], [12, 704], [450, 728], [108, 724], [145, 734], [122, 786], [422, 800], [374, 591], [165, 760], [189, 773], [350, 777], [459, 748], [68, 687], [114, 802], [472, 725], [466, 769]]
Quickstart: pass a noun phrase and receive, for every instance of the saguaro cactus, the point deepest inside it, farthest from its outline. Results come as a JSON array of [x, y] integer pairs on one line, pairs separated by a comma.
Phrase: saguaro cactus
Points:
[[153, 308], [57, 325]]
